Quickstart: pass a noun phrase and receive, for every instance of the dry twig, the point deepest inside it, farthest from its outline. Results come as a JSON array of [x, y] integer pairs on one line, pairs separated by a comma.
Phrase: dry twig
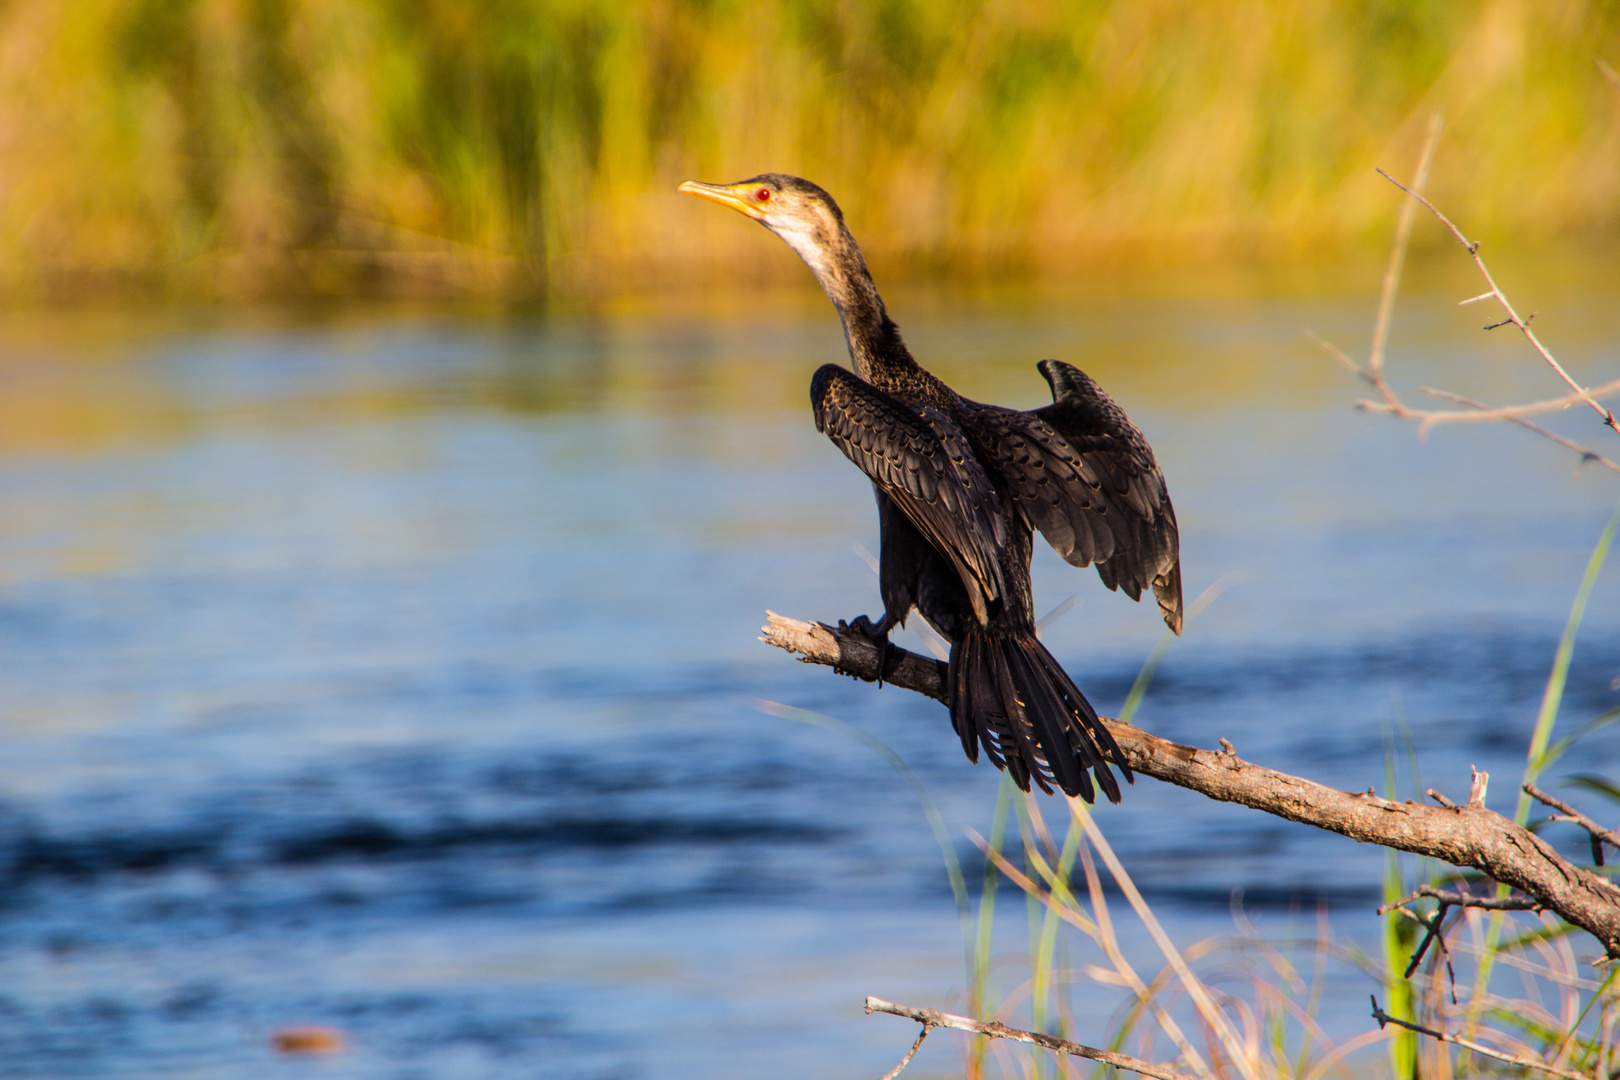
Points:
[[1373, 371], [1433, 922], [1466, 836], [932, 1018], [1577, 391], [1566, 812], [1516, 415], [1457, 899], [1456, 1040]]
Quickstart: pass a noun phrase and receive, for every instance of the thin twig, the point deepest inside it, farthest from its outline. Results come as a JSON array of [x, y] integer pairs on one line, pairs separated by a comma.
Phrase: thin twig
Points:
[[1434, 922], [1373, 372], [1587, 455], [1392, 405], [1457, 899], [1383, 1018], [1472, 247], [1568, 813], [921, 1035], [1432, 925], [1508, 412], [996, 1030]]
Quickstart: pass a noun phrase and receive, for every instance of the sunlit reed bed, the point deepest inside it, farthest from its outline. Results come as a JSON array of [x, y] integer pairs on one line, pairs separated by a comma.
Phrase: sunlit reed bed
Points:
[[354, 146]]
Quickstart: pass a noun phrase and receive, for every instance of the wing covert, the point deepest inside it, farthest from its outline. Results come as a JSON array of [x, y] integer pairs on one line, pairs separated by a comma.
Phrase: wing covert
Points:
[[1085, 476], [921, 460]]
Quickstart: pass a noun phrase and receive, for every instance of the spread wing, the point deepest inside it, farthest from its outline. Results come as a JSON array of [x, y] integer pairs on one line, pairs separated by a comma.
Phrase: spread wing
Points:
[[1085, 476], [920, 459]]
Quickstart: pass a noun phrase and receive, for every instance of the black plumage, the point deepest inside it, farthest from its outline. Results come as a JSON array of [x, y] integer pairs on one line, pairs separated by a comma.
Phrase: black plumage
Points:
[[961, 488]]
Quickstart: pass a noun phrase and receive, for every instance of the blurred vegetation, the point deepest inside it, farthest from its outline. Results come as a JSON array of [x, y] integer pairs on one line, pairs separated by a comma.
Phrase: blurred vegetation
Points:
[[243, 147]]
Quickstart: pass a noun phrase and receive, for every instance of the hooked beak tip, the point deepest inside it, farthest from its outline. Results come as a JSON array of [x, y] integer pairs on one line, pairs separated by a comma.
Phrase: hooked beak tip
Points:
[[722, 195]]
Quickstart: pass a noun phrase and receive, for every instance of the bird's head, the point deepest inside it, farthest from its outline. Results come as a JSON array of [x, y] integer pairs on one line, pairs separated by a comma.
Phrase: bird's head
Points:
[[796, 210]]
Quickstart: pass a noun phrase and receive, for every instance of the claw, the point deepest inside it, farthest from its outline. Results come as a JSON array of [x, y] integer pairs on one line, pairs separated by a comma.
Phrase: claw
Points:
[[878, 634]]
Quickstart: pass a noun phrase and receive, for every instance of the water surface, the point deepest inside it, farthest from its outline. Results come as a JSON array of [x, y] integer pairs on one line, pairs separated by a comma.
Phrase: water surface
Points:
[[394, 672]]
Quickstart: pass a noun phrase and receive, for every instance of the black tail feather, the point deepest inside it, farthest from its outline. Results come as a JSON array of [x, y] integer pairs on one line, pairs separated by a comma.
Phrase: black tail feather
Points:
[[1010, 696]]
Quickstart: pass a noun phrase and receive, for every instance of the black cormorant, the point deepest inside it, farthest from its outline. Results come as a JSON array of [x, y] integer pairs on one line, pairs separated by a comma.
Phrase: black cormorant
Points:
[[960, 488]]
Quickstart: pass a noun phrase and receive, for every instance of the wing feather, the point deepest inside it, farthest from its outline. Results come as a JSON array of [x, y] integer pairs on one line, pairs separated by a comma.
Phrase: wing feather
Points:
[[1085, 476], [920, 459]]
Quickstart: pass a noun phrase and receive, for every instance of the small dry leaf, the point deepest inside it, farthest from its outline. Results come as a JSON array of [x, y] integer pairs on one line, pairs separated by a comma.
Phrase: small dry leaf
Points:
[[308, 1039]]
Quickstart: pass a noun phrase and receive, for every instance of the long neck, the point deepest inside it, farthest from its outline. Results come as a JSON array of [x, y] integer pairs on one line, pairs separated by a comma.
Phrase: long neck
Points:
[[880, 356]]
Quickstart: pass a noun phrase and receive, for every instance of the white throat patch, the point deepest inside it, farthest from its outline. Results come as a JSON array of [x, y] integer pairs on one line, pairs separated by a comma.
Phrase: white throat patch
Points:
[[800, 236]]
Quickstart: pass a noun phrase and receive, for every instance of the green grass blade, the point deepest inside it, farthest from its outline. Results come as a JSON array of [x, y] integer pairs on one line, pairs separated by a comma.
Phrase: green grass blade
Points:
[[1399, 938], [1554, 692], [1550, 699]]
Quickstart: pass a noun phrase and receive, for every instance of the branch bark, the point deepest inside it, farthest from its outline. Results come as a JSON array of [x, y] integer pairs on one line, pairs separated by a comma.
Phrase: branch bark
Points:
[[1466, 836]]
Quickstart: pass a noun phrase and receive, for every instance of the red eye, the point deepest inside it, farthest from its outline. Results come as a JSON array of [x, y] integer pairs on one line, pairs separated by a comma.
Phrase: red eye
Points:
[[763, 194]]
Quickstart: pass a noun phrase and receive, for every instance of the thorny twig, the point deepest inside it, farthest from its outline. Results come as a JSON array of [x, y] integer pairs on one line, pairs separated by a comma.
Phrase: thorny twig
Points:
[[1433, 922], [1383, 1018], [931, 1018], [1373, 371], [1472, 247], [1566, 812]]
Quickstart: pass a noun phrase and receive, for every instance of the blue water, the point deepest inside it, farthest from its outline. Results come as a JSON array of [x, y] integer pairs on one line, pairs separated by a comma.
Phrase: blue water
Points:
[[396, 672]]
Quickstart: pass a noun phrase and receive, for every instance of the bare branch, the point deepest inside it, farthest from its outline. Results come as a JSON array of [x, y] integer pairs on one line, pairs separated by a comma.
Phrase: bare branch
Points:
[[1507, 414], [1457, 899], [1392, 405], [1512, 315], [1466, 836], [1433, 922], [995, 1030], [1600, 835], [1373, 372], [1524, 1063]]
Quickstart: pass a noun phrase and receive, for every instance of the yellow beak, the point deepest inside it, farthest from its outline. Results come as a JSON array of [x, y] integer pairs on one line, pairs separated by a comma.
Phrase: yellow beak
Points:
[[725, 195]]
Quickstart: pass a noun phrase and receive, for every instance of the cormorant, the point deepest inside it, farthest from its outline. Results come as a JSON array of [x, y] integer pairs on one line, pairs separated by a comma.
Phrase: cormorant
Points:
[[960, 488]]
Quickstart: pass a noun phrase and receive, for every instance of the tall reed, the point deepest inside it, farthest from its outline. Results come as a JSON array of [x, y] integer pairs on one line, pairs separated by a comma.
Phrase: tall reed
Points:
[[229, 146]]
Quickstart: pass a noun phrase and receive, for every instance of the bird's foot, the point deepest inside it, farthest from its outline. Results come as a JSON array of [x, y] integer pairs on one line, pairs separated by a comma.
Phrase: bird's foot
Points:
[[878, 634]]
